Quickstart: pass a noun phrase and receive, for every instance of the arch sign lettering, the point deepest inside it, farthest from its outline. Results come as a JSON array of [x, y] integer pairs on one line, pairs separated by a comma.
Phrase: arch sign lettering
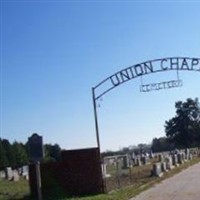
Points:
[[140, 70]]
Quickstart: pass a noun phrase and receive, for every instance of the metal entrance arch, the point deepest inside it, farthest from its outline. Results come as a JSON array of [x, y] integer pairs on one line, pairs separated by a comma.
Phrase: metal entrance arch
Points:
[[141, 69]]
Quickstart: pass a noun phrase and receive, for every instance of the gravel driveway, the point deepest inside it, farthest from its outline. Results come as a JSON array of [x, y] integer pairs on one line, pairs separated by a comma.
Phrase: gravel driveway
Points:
[[182, 186]]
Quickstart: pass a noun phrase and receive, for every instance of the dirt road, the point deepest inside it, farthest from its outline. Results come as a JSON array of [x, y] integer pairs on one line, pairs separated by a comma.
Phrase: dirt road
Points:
[[182, 186]]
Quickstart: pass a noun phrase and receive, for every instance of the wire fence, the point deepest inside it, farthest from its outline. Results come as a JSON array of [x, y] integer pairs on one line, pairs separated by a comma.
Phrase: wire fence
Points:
[[122, 170]]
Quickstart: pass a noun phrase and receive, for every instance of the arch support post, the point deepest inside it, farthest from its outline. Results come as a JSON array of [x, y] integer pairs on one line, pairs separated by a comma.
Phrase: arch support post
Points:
[[97, 138], [96, 118]]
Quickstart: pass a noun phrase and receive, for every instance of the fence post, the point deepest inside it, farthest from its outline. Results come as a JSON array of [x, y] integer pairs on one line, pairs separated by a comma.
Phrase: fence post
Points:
[[118, 174]]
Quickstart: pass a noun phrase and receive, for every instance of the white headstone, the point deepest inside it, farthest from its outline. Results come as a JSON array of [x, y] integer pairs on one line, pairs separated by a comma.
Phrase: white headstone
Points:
[[157, 170], [9, 173], [15, 175], [174, 160], [168, 161], [125, 162], [2, 174], [179, 158], [160, 157], [164, 167]]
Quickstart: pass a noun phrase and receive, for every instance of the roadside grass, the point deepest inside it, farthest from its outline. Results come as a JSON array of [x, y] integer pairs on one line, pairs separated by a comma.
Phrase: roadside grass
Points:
[[20, 190]]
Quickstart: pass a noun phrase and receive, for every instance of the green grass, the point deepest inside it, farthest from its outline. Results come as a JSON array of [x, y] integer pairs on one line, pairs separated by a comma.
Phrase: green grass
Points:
[[20, 190], [13, 190]]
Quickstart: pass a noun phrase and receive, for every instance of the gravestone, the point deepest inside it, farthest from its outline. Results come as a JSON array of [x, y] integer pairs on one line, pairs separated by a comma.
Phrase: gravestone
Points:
[[131, 163], [183, 156], [198, 152], [187, 153], [133, 155], [138, 161], [175, 160], [169, 164], [134, 161], [151, 155], [160, 158], [9, 173], [157, 170], [2, 174], [145, 160], [164, 167], [15, 176], [25, 172], [104, 170], [179, 158], [125, 162]]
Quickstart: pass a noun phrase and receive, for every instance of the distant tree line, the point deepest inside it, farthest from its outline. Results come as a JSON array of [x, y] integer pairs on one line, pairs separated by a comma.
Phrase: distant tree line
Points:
[[16, 154], [136, 149]]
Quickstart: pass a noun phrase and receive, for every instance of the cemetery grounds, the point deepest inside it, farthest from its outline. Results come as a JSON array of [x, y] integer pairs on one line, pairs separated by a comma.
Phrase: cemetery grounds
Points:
[[130, 184]]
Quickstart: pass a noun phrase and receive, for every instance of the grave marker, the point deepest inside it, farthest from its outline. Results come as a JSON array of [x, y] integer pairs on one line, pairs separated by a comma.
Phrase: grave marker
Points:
[[179, 158], [175, 160], [2, 174], [9, 173], [169, 163], [15, 175], [164, 167], [157, 170]]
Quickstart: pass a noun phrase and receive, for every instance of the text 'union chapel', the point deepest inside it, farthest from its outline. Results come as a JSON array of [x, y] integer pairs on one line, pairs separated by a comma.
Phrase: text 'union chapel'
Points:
[[159, 65]]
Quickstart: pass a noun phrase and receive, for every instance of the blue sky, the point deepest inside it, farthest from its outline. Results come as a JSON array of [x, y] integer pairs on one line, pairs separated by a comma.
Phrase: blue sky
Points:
[[54, 52]]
